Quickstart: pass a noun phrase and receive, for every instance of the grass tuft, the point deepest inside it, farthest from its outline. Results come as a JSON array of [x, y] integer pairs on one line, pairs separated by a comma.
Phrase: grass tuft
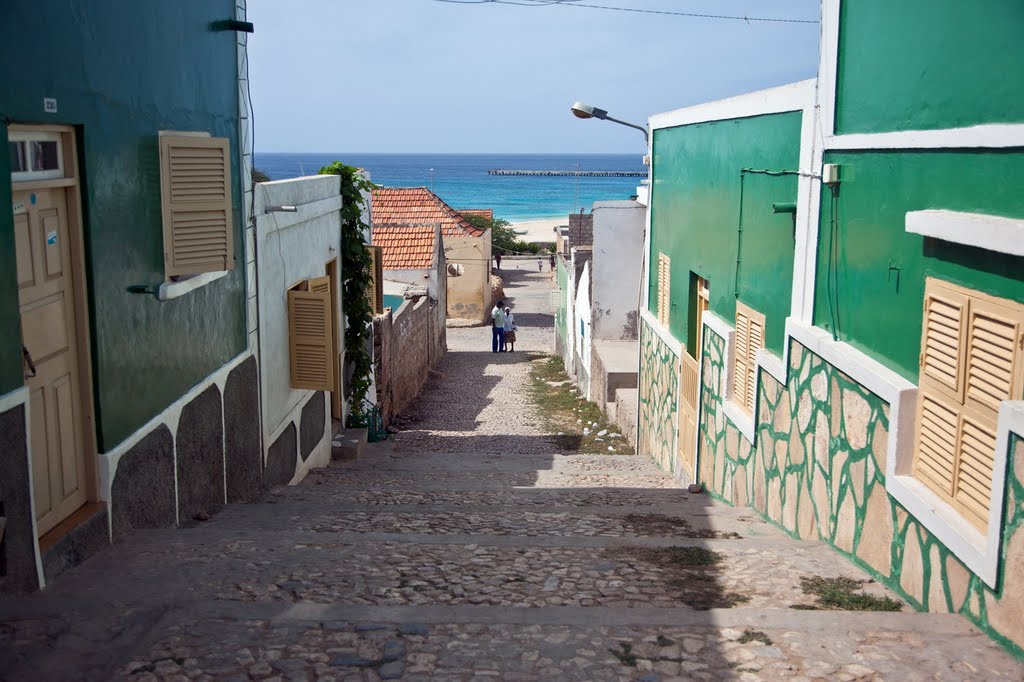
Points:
[[754, 636], [841, 594]]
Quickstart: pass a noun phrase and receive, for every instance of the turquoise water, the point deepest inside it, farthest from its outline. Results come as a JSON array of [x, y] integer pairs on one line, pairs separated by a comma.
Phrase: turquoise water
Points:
[[462, 179], [393, 302]]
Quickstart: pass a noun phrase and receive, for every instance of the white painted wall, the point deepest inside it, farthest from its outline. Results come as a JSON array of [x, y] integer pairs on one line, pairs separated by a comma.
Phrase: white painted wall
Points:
[[291, 247], [426, 278], [618, 245], [583, 331]]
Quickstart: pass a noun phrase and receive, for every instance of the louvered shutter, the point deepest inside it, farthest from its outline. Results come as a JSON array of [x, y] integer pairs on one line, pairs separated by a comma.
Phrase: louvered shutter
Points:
[[664, 283], [375, 290], [740, 356], [756, 341], [195, 180], [970, 363], [310, 339]]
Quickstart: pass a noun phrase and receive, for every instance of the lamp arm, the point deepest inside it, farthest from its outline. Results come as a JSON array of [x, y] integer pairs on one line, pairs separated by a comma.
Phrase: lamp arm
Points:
[[631, 125]]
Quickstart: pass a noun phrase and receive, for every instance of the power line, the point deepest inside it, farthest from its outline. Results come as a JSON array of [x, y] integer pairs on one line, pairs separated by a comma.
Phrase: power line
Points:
[[637, 10]]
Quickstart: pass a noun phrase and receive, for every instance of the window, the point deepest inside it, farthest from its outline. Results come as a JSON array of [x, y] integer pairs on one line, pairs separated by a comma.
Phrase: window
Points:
[[35, 155], [749, 337], [311, 342], [375, 292], [664, 285], [971, 361], [195, 188]]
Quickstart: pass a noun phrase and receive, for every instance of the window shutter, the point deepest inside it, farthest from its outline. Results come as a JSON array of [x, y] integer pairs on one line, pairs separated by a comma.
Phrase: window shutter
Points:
[[740, 357], [375, 291], [756, 341], [195, 187], [310, 339], [943, 338], [970, 363], [664, 282]]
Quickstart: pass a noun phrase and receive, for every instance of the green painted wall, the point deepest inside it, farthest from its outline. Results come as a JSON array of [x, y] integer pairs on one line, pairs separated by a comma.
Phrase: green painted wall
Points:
[[122, 71], [927, 64], [695, 213], [876, 311]]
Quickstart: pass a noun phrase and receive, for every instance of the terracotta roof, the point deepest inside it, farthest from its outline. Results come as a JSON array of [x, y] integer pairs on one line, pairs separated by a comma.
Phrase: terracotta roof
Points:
[[406, 247], [418, 206], [483, 212]]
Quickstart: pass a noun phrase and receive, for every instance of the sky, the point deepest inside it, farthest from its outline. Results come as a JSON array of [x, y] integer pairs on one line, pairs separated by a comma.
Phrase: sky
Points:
[[423, 76]]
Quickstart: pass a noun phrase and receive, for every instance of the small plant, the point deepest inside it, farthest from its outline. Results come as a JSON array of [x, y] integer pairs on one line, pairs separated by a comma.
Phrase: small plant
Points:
[[664, 641], [840, 594], [754, 636], [626, 655]]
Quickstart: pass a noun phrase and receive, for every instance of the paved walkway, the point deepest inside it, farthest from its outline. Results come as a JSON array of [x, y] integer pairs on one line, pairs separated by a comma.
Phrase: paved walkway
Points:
[[469, 548]]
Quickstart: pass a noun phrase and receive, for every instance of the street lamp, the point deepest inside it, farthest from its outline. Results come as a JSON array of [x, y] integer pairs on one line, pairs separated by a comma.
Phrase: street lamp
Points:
[[581, 110]]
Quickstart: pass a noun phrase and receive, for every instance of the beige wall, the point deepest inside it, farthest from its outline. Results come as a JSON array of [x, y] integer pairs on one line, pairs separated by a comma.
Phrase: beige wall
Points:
[[469, 295]]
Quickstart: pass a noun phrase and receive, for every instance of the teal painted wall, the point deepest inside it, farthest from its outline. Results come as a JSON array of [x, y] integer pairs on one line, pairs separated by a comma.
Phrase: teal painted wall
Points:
[[695, 212], [877, 189], [927, 64], [122, 71]]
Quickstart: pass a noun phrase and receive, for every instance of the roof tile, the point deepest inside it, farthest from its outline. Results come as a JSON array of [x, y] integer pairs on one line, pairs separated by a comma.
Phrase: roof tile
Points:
[[405, 247], [418, 206]]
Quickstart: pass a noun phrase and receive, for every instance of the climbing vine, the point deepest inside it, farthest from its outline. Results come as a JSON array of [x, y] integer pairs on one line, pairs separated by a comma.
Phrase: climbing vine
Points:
[[355, 279]]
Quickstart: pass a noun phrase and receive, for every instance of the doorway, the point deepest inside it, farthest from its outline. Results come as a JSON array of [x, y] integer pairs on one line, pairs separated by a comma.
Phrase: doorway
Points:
[[689, 377], [54, 324]]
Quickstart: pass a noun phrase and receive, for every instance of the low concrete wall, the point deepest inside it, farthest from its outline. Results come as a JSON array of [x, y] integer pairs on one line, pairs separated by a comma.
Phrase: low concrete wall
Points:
[[407, 344]]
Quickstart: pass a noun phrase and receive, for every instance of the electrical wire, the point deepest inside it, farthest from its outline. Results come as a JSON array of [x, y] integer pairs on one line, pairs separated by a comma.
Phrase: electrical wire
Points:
[[636, 10]]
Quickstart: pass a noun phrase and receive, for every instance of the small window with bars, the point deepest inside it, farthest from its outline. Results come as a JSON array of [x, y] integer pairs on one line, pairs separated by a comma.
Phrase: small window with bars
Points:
[[749, 338], [664, 287], [971, 361], [195, 190]]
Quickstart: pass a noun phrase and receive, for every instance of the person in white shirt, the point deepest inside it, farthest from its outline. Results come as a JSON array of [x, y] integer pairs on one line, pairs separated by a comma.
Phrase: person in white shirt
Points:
[[498, 328], [510, 329]]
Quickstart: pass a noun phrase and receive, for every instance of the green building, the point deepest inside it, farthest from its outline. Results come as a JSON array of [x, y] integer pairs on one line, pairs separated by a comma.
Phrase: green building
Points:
[[129, 395], [834, 326]]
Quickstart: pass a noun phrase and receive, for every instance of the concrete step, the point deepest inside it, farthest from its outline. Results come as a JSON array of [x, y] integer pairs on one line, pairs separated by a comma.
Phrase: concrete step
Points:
[[348, 444], [617, 380], [626, 402]]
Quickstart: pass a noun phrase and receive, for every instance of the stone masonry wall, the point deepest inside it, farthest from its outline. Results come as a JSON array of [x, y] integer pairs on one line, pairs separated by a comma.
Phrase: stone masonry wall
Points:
[[659, 385], [818, 471], [408, 343]]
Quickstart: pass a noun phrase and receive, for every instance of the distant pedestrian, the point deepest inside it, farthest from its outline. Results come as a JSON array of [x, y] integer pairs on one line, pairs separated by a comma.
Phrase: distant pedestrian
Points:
[[498, 328], [552, 262], [510, 329], [540, 265], [497, 259]]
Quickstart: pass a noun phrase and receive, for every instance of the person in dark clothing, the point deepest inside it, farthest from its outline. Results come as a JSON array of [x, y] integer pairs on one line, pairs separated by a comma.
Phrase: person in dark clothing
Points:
[[497, 259]]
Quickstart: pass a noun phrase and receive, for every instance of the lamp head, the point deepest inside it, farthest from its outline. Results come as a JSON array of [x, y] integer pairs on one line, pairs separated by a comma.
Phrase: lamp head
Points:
[[581, 110]]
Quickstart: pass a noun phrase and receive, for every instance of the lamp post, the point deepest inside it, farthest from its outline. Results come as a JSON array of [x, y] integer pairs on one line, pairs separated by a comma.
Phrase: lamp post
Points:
[[581, 110]]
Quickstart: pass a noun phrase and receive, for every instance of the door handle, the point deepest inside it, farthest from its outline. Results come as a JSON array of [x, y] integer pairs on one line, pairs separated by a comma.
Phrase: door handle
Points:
[[28, 363]]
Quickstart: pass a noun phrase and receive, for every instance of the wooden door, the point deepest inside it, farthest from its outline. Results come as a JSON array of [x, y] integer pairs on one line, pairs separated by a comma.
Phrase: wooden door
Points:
[[689, 387], [46, 297]]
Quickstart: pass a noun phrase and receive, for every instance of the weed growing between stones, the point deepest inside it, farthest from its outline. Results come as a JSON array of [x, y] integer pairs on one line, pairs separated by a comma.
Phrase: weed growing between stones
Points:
[[580, 425], [840, 594], [691, 571], [625, 655], [660, 524], [754, 636]]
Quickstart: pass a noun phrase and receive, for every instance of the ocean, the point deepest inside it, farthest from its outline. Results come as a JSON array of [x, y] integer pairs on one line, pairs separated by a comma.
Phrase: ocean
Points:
[[461, 180]]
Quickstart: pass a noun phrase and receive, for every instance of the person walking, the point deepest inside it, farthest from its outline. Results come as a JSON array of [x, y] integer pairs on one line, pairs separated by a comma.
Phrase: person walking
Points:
[[498, 328], [552, 262], [510, 330], [497, 259], [540, 265]]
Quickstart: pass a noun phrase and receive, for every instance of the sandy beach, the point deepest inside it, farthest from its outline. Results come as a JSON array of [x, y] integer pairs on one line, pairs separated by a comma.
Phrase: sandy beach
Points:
[[539, 230]]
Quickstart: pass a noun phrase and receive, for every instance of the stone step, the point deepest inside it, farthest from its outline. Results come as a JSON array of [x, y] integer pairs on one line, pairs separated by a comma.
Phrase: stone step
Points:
[[626, 401], [348, 444]]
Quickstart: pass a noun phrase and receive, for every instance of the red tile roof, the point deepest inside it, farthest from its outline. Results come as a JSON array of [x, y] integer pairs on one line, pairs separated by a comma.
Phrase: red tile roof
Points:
[[482, 212], [418, 206], [406, 247]]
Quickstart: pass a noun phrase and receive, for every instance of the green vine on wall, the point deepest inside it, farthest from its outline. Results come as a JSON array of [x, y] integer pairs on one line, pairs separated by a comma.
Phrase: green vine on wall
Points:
[[355, 279]]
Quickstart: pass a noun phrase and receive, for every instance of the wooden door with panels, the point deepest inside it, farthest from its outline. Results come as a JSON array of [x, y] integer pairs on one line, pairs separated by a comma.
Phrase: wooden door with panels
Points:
[[53, 323], [689, 385]]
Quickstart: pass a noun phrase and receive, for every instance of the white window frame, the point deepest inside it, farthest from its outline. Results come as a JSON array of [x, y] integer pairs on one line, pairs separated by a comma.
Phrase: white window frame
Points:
[[28, 137]]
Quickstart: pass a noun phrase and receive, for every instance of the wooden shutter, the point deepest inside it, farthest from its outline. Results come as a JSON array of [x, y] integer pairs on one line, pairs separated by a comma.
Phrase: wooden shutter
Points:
[[375, 292], [970, 362], [310, 338], [749, 338], [195, 188]]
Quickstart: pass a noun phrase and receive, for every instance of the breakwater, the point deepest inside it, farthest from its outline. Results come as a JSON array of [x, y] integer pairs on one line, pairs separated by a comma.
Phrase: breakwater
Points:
[[562, 173]]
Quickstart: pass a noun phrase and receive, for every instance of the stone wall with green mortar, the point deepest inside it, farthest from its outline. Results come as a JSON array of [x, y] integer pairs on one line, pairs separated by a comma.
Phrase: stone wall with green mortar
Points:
[[818, 471], [659, 388], [928, 64]]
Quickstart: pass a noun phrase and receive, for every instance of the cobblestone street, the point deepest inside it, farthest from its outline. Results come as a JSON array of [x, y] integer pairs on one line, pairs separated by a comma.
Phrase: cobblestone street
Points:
[[467, 547]]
